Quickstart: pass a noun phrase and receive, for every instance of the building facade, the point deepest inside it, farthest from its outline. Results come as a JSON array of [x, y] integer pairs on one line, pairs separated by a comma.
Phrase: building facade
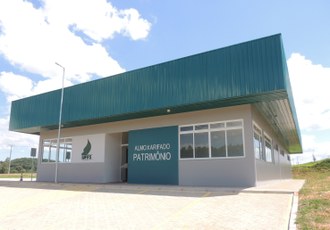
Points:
[[220, 118]]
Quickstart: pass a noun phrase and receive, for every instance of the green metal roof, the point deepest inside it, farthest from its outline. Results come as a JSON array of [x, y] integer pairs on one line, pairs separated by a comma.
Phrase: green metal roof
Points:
[[249, 72]]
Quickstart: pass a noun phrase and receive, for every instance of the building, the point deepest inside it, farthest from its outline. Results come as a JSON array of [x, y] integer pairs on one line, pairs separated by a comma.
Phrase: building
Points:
[[220, 118]]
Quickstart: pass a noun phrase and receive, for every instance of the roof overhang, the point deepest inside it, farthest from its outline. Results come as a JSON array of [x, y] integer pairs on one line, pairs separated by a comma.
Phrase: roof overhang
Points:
[[253, 72]]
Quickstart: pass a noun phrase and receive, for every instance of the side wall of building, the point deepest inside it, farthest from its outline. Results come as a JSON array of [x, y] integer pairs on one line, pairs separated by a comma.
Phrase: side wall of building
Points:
[[280, 167]]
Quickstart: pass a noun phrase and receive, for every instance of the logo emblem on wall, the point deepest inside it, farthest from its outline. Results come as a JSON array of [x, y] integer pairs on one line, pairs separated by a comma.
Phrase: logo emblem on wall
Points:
[[85, 155]]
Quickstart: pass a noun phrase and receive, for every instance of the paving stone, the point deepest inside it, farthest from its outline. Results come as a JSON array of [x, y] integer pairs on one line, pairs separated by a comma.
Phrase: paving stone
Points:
[[34, 205]]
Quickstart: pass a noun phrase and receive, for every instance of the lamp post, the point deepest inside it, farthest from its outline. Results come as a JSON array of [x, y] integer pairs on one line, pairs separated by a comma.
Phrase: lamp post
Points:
[[59, 124]]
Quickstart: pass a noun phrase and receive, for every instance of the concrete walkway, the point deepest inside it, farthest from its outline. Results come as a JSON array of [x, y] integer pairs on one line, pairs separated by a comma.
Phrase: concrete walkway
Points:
[[34, 205]]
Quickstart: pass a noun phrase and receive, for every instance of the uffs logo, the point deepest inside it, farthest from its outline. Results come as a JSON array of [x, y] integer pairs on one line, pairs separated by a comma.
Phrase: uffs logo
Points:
[[85, 155]]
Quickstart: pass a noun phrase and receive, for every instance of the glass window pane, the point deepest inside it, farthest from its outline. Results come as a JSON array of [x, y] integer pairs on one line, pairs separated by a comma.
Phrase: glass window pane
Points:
[[235, 143], [45, 152], [217, 125], [61, 152], [257, 130], [234, 124], [267, 139], [218, 144], [261, 148], [186, 146], [68, 151], [68, 156], [186, 128], [201, 145], [256, 141], [268, 151], [201, 127], [50, 149], [52, 154]]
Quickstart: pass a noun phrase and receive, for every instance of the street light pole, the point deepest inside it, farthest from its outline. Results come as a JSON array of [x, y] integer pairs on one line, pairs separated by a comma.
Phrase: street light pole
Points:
[[59, 124]]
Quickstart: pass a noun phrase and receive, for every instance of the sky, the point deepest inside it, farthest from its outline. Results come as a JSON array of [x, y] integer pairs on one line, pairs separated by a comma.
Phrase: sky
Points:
[[98, 38]]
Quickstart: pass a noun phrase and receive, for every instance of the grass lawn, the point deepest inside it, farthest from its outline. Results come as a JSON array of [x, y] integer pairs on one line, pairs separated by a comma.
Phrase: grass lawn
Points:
[[17, 175], [314, 197]]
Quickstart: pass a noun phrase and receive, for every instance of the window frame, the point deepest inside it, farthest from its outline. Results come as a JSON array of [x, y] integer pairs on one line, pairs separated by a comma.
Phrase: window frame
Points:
[[268, 139], [65, 144], [263, 139], [209, 131], [257, 130]]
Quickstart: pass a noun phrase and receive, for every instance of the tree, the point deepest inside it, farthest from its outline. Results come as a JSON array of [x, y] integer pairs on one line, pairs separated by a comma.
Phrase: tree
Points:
[[19, 165], [4, 166]]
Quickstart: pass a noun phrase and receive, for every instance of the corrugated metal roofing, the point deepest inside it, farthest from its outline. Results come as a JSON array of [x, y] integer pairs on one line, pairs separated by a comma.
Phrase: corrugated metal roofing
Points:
[[248, 72]]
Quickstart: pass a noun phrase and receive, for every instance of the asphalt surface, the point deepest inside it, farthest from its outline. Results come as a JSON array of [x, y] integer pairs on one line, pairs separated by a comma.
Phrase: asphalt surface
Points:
[[35, 205]]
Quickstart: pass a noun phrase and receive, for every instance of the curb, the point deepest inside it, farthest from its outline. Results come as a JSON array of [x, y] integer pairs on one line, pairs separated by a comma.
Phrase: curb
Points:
[[294, 210]]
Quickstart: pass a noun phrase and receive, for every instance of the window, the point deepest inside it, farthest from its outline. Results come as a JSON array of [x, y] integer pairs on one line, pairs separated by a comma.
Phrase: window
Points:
[[235, 143], [288, 157], [268, 149], [213, 140], [186, 145], [218, 144], [257, 140], [201, 145], [263, 145], [50, 147]]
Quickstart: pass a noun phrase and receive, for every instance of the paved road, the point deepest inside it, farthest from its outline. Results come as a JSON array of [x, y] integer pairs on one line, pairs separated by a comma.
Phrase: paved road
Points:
[[34, 205]]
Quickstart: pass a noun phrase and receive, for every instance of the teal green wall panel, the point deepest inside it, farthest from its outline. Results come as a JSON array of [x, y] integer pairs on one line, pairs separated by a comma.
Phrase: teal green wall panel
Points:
[[153, 156], [248, 68]]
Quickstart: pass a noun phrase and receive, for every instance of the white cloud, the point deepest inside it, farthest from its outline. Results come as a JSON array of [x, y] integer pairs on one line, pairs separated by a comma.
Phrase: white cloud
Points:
[[72, 33], [135, 27], [17, 86], [309, 143], [21, 142], [310, 86], [33, 39], [9, 85], [98, 19]]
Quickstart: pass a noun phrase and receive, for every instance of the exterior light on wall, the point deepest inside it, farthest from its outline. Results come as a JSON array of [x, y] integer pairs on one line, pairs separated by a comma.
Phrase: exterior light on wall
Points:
[[168, 110], [59, 124]]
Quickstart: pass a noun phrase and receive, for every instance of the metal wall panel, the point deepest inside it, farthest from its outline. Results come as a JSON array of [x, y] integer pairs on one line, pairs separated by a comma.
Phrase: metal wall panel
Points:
[[244, 73]]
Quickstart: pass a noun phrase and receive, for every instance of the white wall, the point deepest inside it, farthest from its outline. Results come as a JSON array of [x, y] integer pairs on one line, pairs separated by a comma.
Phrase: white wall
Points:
[[112, 157], [97, 150], [106, 165]]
